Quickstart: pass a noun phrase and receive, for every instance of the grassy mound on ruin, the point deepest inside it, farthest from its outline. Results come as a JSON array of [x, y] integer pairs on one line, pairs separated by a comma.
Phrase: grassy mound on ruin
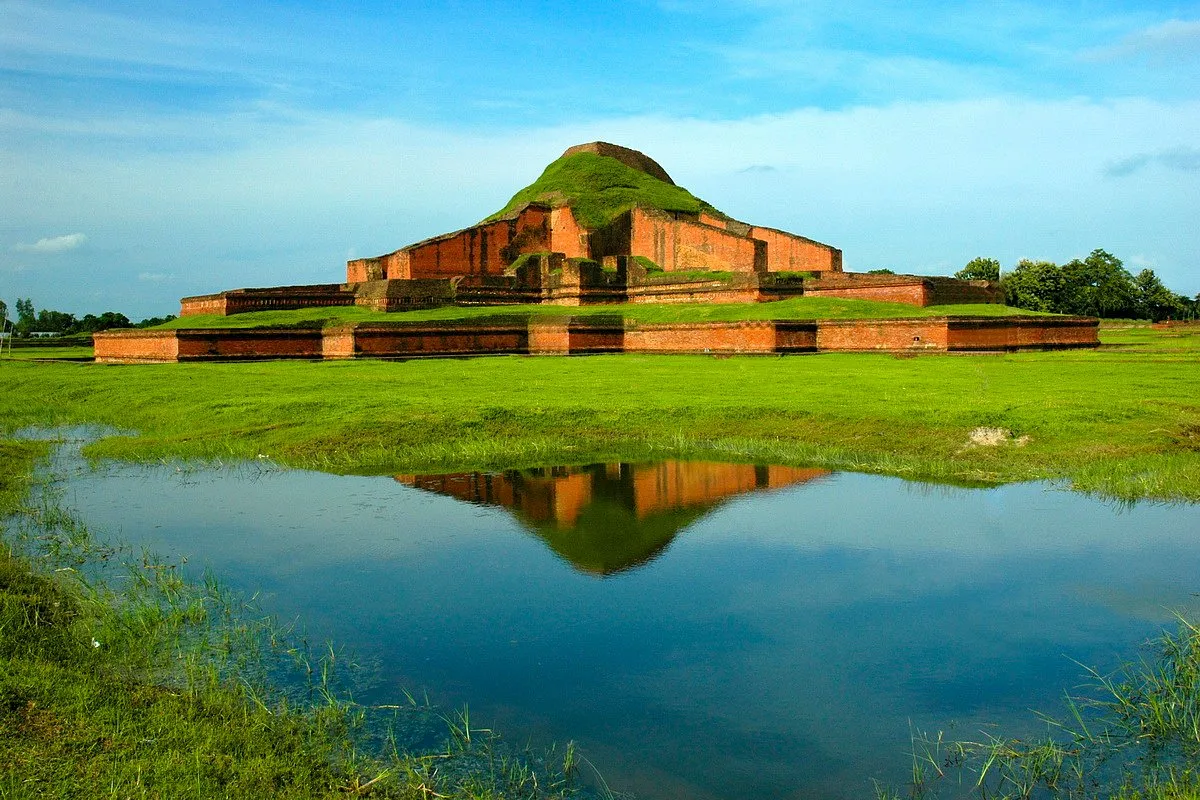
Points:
[[794, 308], [598, 189]]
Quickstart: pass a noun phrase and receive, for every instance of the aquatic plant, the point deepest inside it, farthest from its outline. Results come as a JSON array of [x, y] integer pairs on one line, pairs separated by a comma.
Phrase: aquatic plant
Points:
[[123, 674], [1132, 733]]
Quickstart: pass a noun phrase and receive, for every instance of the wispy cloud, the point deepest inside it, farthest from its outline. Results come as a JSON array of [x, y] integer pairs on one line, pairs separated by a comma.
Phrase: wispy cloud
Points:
[[154, 277], [1176, 159], [54, 244], [1166, 42]]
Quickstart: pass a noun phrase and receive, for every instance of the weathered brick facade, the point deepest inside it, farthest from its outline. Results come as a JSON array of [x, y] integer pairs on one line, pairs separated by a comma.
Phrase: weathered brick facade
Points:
[[702, 257], [541, 254]]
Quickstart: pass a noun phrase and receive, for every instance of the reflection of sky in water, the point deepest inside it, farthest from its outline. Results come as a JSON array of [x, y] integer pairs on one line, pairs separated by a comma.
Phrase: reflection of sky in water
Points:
[[781, 643]]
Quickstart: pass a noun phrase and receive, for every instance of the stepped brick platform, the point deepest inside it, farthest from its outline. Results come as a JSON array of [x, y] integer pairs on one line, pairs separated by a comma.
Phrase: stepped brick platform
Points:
[[551, 278], [603, 225], [539, 335], [645, 249]]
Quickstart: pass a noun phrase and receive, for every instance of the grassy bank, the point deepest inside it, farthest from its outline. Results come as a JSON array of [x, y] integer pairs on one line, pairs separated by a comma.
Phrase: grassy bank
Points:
[[1123, 420], [133, 682], [141, 716], [795, 308]]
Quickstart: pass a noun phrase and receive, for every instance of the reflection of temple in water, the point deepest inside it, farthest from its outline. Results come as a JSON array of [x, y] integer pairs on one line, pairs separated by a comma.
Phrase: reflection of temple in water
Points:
[[605, 518]]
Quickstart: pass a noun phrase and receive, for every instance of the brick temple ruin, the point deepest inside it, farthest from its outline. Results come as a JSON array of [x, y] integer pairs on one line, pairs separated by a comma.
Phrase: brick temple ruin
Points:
[[547, 248], [539, 252]]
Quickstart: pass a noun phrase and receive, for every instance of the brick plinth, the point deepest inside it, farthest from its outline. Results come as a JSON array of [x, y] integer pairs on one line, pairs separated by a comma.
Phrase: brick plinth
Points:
[[278, 298], [1019, 333], [701, 337], [549, 337], [913, 290], [135, 347], [598, 334], [441, 339], [216, 344], [882, 334]]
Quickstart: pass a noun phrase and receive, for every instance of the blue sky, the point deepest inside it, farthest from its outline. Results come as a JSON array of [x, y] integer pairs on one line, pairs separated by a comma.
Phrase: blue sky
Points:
[[154, 150]]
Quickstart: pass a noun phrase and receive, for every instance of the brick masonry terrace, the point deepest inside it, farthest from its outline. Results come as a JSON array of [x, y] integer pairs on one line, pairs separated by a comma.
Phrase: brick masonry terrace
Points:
[[654, 243], [551, 278], [540, 335]]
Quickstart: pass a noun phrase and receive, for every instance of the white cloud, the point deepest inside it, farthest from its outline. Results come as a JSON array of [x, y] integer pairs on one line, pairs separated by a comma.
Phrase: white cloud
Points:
[[1166, 43], [55, 244], [911, 186], [1177, 159]]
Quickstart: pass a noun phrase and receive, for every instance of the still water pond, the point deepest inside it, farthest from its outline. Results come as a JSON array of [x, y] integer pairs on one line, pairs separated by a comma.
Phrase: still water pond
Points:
[[701, 630]]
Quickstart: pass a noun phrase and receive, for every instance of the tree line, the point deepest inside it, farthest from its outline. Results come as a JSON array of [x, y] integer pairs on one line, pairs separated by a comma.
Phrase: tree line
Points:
[[28, 320], [1096, 286]]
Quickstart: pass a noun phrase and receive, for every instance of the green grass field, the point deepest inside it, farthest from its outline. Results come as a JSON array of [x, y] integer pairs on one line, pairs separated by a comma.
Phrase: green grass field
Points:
[[136, 716], [1123, 420], [794, 308], [73, 352]]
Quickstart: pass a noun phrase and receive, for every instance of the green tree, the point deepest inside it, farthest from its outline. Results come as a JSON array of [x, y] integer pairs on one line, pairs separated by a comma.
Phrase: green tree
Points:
[[56, 321], [1154, 300], [25, 312], [1036, 285], [980, 269], [1099, 286], [106, 321], [150, 322], [26, 317]]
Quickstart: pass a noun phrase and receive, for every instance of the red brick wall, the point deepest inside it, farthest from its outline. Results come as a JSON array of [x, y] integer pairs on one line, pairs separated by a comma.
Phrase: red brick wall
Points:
[[338, 342], [481, 250], [891, 334], [597, 335], [130, 347], [1022, 332], [702, 337], [251, 343], [795, 337], [911, 293], [584, 335], [691, 293], [681, 244], [787, 252], [941, 291], [546, 337], [205, 304], [365, 269], [566, 235], [445, 339], [237, 301]]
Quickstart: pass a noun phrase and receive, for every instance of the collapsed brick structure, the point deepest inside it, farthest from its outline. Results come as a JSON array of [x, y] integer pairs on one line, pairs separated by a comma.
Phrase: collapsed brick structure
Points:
[[541, 251]]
